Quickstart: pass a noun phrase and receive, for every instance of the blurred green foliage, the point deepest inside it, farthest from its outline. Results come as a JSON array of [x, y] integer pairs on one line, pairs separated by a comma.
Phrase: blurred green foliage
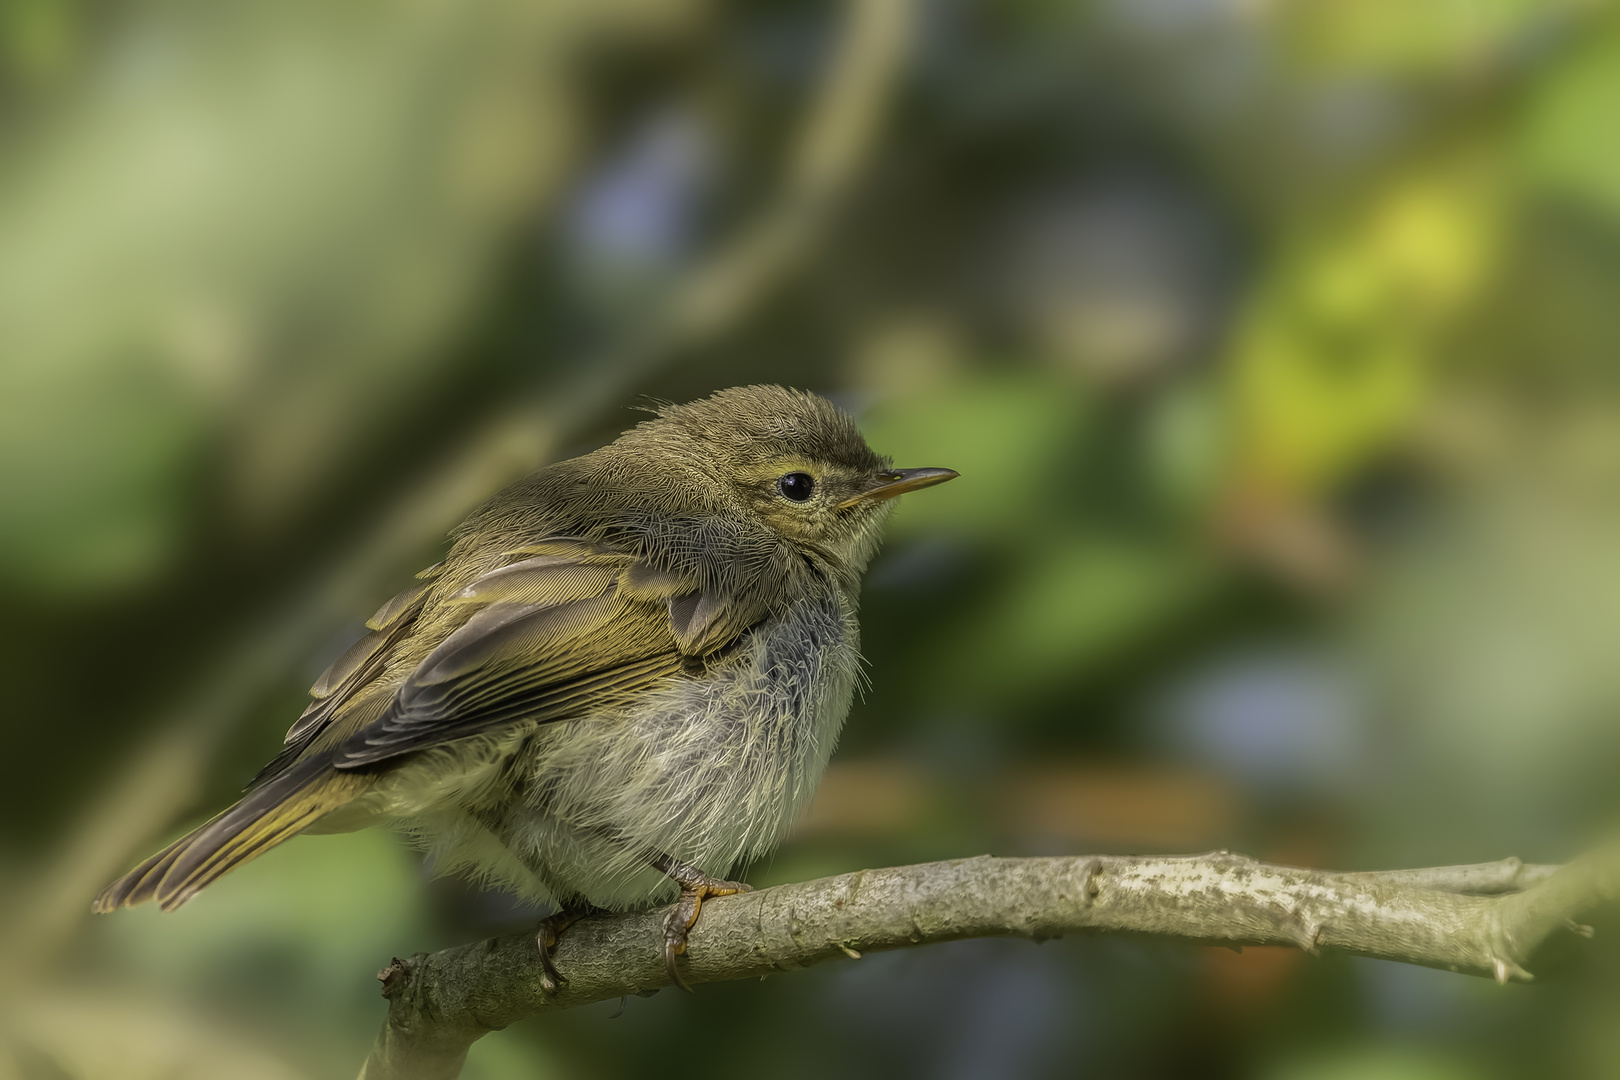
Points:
[[1275, 342]]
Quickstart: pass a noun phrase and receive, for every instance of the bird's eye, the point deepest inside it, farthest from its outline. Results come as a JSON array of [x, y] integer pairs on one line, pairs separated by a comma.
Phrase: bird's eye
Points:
[[797, 486]]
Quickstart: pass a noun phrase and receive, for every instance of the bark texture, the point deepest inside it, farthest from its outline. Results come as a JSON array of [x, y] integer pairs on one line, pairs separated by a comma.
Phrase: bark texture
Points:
[[1487, 919]]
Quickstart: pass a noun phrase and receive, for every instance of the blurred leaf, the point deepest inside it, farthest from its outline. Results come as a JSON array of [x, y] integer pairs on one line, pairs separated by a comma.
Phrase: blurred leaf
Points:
[[1565, 139], [1334, 356], [1070, 606], [1186, 445], [39, 39], [1400, 34], [1011, 435]]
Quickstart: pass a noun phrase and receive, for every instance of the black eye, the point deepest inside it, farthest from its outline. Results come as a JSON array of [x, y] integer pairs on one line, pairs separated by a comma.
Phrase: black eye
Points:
[[797, 486]]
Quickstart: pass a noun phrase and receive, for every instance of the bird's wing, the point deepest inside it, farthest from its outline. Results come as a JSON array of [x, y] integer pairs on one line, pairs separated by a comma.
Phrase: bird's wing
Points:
[[362, 662], [341, 697], [569, 629]]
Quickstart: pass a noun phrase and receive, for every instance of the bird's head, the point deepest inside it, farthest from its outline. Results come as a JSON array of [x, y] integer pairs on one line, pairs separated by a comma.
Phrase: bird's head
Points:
[[796, 462]]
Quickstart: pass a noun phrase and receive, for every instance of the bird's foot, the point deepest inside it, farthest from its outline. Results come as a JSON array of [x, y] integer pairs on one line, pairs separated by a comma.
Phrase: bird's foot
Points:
[[695, 888], [552, 929]]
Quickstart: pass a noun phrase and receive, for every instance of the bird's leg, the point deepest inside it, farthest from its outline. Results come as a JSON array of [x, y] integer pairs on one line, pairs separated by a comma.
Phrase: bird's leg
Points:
[[550, 930], [552, 926], [696, 886]]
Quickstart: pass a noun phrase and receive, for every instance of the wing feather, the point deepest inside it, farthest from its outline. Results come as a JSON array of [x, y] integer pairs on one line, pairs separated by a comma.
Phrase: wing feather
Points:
[[571, 629], [407, 603], [355, 669], [544, 581]]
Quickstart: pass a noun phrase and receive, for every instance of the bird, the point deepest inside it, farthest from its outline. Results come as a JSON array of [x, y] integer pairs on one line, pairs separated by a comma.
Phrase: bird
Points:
[[625, 678]]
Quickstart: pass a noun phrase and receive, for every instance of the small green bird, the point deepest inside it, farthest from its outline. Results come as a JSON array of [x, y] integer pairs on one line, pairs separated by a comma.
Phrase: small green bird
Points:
[[625, 678]]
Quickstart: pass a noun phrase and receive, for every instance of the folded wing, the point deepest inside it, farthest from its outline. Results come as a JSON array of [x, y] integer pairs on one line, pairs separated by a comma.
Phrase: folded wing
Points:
[[566, 629]]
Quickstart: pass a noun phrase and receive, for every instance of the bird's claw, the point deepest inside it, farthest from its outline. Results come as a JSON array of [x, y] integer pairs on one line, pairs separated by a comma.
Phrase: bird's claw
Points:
[[684, 915], [551, 929]]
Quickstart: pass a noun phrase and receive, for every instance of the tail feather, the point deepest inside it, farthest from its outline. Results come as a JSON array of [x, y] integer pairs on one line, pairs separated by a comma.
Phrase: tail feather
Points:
[[140, 884], [263, 818]]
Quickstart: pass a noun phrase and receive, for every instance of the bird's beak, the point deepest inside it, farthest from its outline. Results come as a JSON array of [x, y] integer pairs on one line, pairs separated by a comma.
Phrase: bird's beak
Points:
[[898, 482]]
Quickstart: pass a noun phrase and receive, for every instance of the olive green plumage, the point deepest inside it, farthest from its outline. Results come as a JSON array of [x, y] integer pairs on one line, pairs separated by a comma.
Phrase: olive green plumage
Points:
[[641, 654]]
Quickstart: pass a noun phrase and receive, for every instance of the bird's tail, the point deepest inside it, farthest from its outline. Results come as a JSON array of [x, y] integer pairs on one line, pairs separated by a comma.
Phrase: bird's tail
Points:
[[265, 816]]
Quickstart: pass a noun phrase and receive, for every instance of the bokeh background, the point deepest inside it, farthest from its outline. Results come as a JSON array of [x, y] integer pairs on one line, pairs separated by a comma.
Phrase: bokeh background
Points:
[[1277, 342]]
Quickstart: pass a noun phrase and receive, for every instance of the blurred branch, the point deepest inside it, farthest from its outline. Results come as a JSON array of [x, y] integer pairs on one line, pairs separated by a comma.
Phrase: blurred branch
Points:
[[1505, 875], [440, 1004], [836, 139], [165, 779]]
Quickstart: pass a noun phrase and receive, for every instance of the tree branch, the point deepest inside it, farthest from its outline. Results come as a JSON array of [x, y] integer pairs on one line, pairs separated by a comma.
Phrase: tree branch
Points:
[[1484, 920]]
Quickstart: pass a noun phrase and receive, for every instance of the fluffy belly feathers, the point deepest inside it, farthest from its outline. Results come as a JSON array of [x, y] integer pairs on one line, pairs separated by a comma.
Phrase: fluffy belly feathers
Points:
[[709, 771]]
